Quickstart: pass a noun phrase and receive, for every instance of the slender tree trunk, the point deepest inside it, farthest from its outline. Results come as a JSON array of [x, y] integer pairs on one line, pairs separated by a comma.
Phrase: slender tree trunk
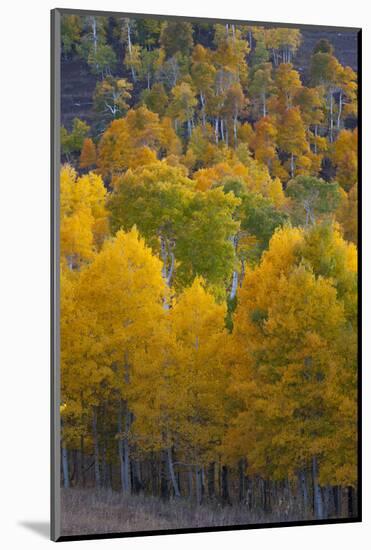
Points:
[[127, 472], [249, 492], [95, 36], [130, 51], [172, 475], [198, 485], [104, 466], [82, 461], [235, 130], [350, 502], [137, 476], [331, 116], [153, 476], [337, 500], [164, 493], [211, 480], [190, 484], [326, 502], [267, 495], [315, 141], [241, 480], [76, 468], [121, 449], [264, 104], [167, 270], [233, 291], [216, 130], [292, 165], [340, 109], [66, 475], [303, 491], [203, 110], [189, 127], [317, 495], [95, 41], [96, 449], [225, 485]]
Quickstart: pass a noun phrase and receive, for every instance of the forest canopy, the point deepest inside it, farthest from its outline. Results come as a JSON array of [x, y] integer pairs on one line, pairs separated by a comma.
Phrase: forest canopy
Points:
[[209, 266]]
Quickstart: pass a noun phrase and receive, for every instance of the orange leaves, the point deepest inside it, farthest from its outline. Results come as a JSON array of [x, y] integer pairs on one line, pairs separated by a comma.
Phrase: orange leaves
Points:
[[88, 157], [291, 132], [345, 158], [136, 139]]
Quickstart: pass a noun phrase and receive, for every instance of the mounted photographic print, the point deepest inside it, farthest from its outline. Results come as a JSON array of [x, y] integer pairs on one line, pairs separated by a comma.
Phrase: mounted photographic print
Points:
[[205, 365]]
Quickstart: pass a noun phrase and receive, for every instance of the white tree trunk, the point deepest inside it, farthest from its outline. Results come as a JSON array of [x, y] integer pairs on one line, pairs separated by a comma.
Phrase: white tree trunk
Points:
[[317, 495], [331, 116], [130, 50], [292, 165], [340, 109], [233, 291], [235, 130], [95, 35], [173, 478], [189, 127]]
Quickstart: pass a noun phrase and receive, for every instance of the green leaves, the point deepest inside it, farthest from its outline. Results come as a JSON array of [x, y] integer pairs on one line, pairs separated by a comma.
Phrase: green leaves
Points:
[[260, 218], [312, 197], [200, 225], [71, 142]]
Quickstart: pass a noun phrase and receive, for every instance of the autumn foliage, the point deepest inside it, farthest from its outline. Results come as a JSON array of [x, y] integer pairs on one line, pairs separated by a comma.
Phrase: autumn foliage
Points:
[[209, 268]]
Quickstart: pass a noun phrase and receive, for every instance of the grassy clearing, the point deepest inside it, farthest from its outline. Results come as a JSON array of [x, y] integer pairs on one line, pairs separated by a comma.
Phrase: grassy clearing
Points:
[[87, 511]]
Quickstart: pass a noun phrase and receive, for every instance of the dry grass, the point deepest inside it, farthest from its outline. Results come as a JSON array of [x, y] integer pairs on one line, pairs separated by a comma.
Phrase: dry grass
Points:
[[86, 511]]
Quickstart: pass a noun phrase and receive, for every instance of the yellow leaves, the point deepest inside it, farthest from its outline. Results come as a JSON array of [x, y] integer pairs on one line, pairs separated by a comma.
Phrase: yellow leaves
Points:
[[186, 401], [208, 177], [276, 194], [84, 222], [194, 312], [76, 237], [254, 175], [111, 312], [134, 140], [345, 158], [290, 372]]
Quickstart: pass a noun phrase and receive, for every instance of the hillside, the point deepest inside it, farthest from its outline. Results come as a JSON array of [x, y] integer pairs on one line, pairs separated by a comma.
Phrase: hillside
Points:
[[78, 84]]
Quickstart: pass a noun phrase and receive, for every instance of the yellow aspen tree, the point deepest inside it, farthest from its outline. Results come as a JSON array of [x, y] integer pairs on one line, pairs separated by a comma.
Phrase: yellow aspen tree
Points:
[[197, 323], [289, 367], [123, 291], [84, 222]]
